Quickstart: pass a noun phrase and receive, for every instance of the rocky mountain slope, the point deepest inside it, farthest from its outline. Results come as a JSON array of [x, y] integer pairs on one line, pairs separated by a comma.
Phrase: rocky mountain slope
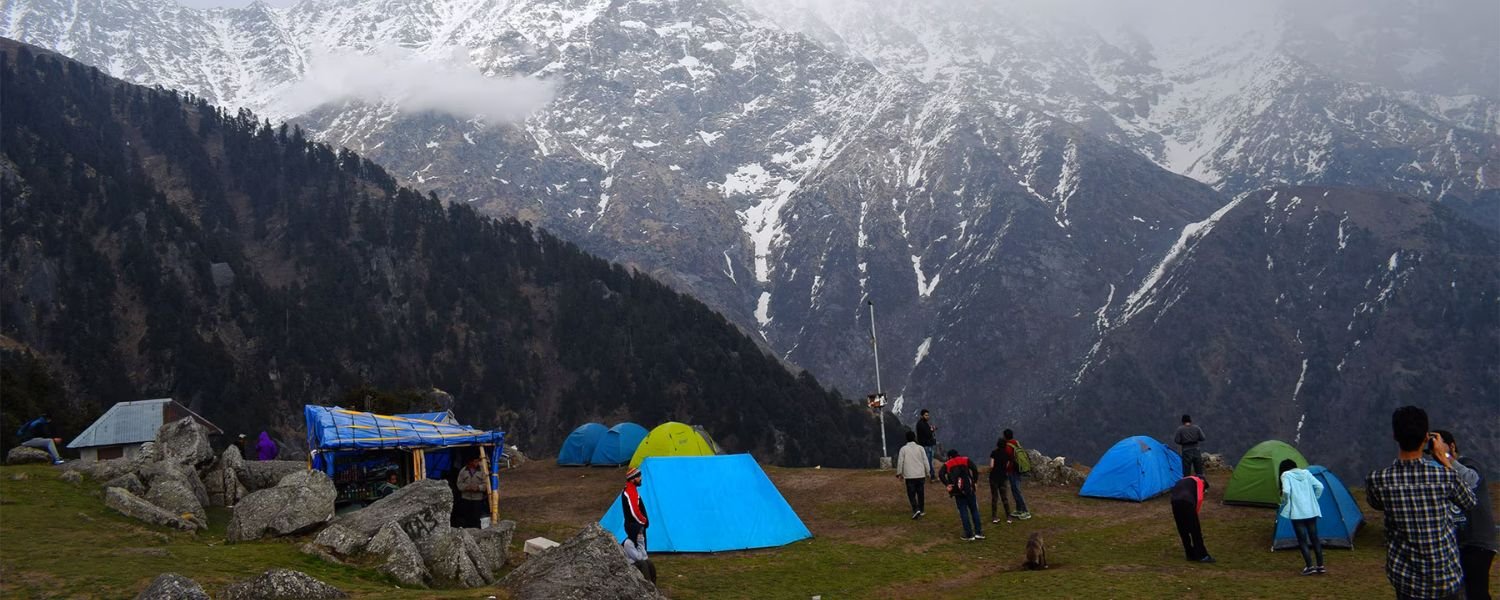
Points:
[[156, 245], [994, 178]]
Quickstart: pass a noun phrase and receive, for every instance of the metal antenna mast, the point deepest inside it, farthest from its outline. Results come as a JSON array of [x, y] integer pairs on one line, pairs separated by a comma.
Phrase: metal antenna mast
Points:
[[879, 391]]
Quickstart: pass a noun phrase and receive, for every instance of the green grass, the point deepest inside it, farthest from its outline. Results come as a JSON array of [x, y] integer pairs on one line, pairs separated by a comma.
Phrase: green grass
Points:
[[59, 541]]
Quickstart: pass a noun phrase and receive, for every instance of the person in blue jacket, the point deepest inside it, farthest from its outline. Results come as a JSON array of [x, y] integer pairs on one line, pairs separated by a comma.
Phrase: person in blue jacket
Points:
[[1299, 504]]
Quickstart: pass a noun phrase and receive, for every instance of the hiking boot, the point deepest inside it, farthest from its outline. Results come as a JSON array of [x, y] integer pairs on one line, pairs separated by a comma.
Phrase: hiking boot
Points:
[[1023, 516], [978, 536], [1309, 570]]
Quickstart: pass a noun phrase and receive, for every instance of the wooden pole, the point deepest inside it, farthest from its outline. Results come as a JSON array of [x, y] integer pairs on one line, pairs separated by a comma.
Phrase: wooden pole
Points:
[[418, 465], [489, 484]]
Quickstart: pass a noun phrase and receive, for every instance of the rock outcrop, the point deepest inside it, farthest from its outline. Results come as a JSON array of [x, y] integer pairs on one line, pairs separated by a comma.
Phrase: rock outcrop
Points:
[[21, 455], [131, 506], [300, 502], [419, 509], [282, 584], [403, 560], [589, 565], [176, 497], [262, 474], [184, 442], [171, 586], [1053, 471]]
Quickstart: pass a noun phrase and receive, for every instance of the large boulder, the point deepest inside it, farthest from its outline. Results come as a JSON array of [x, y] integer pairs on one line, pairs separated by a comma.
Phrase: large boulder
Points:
[[105, 470], [131, 506], [1215, 462], [420, 509], [129, 482], [21, 455], [494, 543], [455, 560], [223, 479], [300, 502], [176, 497], [1053, 471], [282, 584], [591, 566], [262, 474], [171, 586], [402, 559], [184, 442], [154, 473]]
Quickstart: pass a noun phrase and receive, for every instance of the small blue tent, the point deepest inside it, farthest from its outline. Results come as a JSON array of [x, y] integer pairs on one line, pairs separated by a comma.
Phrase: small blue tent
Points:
[[579, 446], [1341, 517], [1135, 468], [618, 445], [709, 504]]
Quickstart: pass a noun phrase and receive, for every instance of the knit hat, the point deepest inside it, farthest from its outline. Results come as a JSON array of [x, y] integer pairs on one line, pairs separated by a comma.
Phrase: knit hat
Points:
[[952, 453], [632, 474]]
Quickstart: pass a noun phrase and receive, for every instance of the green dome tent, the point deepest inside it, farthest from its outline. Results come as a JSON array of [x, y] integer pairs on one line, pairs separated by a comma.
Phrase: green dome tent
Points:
[[1256, 481], [675, 439]]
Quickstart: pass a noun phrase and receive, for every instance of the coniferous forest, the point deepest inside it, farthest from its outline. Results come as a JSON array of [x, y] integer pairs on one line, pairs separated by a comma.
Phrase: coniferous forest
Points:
[[155, 245]]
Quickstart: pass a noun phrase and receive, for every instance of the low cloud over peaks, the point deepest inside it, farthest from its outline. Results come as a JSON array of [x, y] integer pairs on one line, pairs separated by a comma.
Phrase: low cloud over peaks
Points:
[[416, 83]]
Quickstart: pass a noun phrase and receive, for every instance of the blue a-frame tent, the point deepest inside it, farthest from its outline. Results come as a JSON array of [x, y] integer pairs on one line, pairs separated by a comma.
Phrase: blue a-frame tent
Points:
[[579, 447], [1341, 517], [618, 445], [709, 504], [1136, 468]]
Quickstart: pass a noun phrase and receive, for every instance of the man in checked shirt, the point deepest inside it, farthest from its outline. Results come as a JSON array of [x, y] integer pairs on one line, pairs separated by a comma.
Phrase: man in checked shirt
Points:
[[1417, 497]]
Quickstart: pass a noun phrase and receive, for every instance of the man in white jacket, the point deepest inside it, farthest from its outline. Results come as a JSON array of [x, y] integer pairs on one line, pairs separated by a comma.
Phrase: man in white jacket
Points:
[[912, 466]]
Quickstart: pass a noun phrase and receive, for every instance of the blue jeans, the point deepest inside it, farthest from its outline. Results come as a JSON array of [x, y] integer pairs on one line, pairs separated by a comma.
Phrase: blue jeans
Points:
[[44, 444], [1015, 489], [929, 460], [968, 513]]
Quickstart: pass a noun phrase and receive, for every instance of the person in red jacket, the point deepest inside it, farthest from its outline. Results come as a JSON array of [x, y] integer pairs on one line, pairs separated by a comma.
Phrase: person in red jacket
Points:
[[959, 474], [636, 522], [1187, 501]]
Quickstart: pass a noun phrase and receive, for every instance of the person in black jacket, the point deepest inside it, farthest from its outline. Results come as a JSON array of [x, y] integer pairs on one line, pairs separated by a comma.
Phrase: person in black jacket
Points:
[[1187, 500], [1476, 533], [927, 438]]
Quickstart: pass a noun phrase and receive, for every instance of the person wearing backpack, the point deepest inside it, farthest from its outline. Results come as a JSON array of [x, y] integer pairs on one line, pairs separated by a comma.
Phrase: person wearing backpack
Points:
[[1017, 464], [959, 475], [37, 433]]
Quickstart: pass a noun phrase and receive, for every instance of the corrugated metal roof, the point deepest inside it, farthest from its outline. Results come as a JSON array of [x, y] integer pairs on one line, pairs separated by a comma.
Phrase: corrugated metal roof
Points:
[[133, 423]]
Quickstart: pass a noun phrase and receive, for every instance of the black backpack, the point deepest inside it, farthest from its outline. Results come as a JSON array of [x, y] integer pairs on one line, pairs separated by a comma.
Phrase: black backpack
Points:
[[961, 480]]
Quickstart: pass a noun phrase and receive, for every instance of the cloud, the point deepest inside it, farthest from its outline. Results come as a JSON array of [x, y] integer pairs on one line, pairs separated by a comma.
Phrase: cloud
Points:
[[416, 83]]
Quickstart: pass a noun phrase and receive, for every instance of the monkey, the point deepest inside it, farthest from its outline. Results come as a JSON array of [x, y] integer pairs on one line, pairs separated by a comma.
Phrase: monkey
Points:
[[1036, 553]]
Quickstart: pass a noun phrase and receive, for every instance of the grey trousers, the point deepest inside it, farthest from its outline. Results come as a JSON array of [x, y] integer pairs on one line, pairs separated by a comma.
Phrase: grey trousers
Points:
[[44, 444]]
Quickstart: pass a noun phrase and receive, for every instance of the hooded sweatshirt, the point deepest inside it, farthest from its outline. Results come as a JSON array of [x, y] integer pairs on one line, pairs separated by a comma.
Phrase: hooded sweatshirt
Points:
[[1299, 495], [265, 449]]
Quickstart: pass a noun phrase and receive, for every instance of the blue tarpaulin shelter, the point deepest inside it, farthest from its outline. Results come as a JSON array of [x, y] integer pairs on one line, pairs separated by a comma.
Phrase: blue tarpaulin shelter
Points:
[[337, 435], [709, 504], [441, 417], [618, 445], [579, 447], [1136, 468], [1341, 517]]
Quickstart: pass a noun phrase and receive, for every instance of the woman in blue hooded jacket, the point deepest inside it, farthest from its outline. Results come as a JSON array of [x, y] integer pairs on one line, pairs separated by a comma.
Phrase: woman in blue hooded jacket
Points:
[[1299, 504]]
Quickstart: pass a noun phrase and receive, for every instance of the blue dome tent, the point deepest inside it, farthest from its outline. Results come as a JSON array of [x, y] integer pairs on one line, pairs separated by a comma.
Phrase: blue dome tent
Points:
[[1135, 468], [618, 445], [709, 504], [1341, 517], [579, 447]]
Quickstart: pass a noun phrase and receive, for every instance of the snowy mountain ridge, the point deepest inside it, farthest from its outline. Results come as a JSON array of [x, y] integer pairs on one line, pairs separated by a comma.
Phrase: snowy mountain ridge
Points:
[[1000, 194]]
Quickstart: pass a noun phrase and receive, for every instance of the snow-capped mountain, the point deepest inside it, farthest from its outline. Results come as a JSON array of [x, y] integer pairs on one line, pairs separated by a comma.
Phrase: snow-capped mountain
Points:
[[1005, 183]]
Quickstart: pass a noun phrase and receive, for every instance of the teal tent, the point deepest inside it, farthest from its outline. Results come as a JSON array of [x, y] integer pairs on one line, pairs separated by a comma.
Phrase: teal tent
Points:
[[1341, 517], [1135, 468], [618, 445], [709, 504], [579, 446]]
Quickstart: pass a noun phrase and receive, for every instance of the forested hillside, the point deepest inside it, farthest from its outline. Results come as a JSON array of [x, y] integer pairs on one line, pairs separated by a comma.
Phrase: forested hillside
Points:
[[155, 245]]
